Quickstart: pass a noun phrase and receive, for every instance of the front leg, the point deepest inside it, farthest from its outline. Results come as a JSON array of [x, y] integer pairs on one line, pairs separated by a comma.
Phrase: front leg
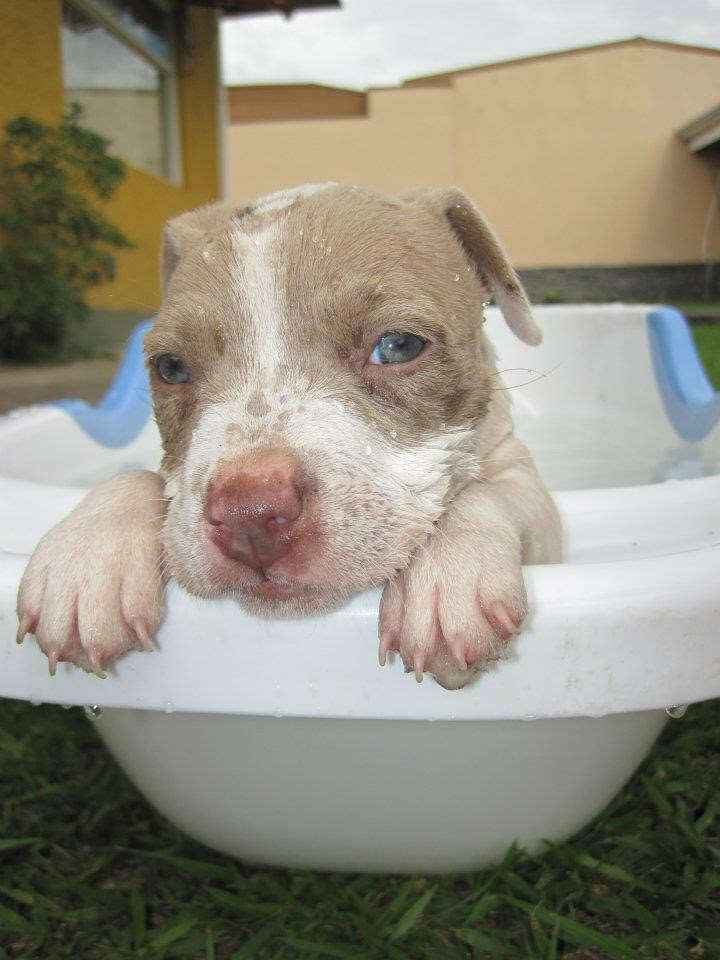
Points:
[[94, 587], [462, 596]]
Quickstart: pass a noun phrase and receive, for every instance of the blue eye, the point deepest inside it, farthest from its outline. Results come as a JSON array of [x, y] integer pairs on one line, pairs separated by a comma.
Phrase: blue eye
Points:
[[397, 348], [171, 368]]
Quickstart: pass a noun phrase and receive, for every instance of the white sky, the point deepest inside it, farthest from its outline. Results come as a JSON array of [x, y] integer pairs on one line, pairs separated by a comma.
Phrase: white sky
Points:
[[370, 43]]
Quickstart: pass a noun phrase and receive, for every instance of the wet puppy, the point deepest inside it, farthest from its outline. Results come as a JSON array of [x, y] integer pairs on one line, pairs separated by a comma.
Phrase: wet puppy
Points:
[[332, 419]]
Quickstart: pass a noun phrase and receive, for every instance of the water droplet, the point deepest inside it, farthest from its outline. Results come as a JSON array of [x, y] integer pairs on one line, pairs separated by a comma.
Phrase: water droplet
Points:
[[368, 449], [677, 712], [302, 232], [328, 249], [468, 269], [93, 712], [393, 434], [486, 303], [206, 256], [457, 277], [169, 706]]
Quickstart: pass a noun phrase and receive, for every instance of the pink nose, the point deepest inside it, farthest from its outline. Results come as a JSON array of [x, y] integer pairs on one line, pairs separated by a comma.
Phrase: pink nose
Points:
[[255, 508]]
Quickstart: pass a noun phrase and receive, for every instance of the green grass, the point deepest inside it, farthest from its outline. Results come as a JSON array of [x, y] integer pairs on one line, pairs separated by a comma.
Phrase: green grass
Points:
[[89, 870], [707, 338]]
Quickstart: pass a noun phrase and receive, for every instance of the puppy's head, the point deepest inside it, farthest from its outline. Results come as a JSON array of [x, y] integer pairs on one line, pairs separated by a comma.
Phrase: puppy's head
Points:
[[319, 372]]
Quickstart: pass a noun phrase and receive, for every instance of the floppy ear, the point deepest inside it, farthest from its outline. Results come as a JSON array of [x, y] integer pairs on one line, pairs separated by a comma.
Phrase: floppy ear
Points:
[[187, 230], [486, 254]]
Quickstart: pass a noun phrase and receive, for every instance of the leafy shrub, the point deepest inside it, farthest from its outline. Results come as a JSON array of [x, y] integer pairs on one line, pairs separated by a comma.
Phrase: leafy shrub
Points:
[[54, 243]]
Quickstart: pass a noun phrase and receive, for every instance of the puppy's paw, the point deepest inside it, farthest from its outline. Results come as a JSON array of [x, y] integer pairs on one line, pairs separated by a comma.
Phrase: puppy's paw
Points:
[[94, 588], [448, 617]]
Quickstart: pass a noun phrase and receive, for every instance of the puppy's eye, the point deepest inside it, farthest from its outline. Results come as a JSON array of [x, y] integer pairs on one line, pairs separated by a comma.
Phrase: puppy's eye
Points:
[[171, 368], [397, 348]]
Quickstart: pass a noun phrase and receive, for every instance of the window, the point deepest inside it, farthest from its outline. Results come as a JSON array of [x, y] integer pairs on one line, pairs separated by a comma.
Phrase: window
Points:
[[118, 65]]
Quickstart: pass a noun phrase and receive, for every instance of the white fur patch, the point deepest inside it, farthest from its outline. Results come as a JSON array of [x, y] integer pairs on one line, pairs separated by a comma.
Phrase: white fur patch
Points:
[[377, 498], [262, 302]]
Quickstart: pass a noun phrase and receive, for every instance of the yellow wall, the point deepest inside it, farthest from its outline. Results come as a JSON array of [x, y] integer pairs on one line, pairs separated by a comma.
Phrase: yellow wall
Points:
[[31, 82], [573, 157]]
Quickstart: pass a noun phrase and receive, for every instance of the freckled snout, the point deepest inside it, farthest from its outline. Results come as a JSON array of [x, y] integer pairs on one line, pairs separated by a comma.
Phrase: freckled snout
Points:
[[255, 508]]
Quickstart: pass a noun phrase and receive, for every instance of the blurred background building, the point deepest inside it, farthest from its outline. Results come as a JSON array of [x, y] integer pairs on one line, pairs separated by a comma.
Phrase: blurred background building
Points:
[[598, 166]]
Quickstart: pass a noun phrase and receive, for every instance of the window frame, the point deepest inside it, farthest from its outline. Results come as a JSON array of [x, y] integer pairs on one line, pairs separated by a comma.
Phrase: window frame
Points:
[[172, 159]]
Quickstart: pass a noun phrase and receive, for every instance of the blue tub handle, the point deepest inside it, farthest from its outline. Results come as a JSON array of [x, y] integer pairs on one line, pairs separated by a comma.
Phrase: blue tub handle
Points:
[[126, 406], [691, 403]]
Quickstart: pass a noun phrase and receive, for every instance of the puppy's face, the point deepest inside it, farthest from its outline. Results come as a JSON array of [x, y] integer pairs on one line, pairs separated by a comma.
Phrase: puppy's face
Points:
[[318, 373]]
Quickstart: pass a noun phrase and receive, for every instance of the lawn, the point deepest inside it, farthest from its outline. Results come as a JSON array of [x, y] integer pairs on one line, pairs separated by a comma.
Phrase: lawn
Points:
[[707, 338], [89, 870]]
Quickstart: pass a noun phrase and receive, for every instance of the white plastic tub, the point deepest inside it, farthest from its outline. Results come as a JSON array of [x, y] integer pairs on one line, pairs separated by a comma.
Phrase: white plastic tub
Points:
[[285, 743]]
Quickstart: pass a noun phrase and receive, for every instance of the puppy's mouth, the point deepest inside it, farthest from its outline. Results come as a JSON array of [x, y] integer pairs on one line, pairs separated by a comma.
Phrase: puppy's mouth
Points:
[[257, 580], [271, 589]]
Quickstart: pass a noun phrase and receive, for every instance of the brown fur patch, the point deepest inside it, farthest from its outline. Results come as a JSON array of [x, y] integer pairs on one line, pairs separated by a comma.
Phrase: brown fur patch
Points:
[[352, 266]]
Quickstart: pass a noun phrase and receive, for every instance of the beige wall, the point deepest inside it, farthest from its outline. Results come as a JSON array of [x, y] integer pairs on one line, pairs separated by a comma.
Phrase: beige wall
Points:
[[573, 157], [404, 141]]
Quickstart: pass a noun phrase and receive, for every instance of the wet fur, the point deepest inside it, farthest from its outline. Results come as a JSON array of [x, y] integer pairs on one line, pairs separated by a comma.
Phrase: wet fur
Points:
[[413, 473]]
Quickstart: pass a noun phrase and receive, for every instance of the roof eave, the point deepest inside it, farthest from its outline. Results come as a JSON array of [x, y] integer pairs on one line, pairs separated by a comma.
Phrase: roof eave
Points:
[[703, 131]]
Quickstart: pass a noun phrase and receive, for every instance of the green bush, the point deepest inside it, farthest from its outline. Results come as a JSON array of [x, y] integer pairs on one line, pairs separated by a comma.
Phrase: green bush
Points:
[[54, 243]]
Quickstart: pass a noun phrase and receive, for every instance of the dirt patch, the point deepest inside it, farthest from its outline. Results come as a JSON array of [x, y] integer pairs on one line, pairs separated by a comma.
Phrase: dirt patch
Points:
[[21, 386]]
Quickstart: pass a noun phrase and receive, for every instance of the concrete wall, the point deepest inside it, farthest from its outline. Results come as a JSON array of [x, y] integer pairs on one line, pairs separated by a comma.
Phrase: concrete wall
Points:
[[573, 157], [31, 83]]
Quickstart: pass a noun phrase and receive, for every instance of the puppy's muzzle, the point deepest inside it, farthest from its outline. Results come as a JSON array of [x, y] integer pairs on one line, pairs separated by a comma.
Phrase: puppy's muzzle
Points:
[[255, 508]]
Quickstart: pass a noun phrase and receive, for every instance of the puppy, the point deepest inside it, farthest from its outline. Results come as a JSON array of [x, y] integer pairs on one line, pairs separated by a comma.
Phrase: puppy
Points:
[[332, 419]]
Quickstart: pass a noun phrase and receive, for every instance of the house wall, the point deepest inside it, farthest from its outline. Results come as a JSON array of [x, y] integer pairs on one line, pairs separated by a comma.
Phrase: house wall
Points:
[[31, 82], [404, 141], [576, 160], [573, 157]]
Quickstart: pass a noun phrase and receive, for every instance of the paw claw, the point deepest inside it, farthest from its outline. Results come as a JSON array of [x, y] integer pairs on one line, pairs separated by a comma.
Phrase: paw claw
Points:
[[456, 649], [27, 624], [500, 620], [93, 656], [141, 632], [419, 665], [53, 658], [388, 642]]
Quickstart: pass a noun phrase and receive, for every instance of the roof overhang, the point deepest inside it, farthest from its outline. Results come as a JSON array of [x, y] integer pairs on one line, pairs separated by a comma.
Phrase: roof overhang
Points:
[[703, 131], [235, 8]]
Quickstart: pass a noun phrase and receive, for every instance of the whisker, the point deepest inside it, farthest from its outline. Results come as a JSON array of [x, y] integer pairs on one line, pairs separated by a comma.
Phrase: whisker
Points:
[[540, 376]]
